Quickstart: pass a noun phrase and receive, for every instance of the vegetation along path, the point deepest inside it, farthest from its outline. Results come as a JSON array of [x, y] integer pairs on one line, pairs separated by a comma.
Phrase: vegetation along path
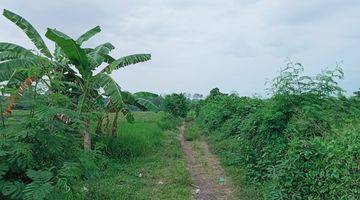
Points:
[[207, 174]]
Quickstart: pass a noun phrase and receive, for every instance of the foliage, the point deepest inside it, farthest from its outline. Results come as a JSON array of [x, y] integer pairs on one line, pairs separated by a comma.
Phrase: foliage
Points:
[[192, 131], [320, 168], [133, 140], [61, 98], [158, 172], [294, 139], [167, 121], [177, 104]]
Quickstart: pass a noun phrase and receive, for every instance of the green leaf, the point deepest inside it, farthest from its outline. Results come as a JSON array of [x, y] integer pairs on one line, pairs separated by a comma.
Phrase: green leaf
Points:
[[108, 59], [29, 31], [81, 103], [5, 46], [10, 51], [7, 68], [37, 191], [125, 61], [3, 166], [41, 186], [141, 103], [128, 98], [98, 55], [146, 104], [89, 34], [40, 175], [128, 115], [9, 55], [112, 90], [14, 77], [13, 189], [72, 50], [146, 95]]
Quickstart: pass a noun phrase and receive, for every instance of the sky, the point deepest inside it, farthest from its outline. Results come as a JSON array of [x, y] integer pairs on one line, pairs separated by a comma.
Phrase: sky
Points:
[[235, 45]]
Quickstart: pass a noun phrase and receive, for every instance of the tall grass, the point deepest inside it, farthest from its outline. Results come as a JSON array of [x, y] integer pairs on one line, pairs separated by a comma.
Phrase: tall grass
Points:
[[192, 131], [135, 139]]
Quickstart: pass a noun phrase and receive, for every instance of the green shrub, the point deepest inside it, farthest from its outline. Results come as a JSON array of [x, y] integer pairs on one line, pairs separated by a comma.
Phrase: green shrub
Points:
[[292, 138], [166, 121], [320, 168], [192, 132], [177, 104]]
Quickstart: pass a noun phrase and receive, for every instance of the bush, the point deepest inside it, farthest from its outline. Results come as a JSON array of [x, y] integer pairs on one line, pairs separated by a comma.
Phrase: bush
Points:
[[177, 104], [192, 132], [166, 121], [320, 168], [296, 139]]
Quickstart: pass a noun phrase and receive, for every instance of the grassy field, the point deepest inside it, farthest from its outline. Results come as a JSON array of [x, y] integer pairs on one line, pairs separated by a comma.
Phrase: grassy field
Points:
[[150, 164]]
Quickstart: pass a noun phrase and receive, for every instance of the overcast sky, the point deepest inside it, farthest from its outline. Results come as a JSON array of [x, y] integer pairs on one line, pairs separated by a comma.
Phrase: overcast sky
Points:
[[235, 45]]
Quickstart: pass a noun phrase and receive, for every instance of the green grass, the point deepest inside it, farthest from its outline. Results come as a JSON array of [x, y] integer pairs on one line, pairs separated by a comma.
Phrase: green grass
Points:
[[150, 164], [192, 131], [227, 152]]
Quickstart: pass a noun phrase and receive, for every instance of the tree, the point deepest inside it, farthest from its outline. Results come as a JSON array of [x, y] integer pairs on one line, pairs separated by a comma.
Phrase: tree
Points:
[[177, 104], [69, 70], [89, 83], [214, 92]]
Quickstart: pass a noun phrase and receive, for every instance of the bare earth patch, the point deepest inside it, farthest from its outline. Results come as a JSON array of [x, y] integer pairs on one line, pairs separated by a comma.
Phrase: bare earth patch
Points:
[[207, 174]]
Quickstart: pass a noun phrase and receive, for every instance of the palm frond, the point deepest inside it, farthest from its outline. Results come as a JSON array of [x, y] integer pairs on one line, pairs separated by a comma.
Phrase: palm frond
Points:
[[8, 67], [88, 34], [146, 104], [71, 49], [5, 46], [29, 30], [128, 115], [125, 61], [112, 90], [98, 55]]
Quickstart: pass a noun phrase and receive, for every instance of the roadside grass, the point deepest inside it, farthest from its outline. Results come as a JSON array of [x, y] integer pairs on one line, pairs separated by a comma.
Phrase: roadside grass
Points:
[[143, 162], [148, 164], [228, 153]]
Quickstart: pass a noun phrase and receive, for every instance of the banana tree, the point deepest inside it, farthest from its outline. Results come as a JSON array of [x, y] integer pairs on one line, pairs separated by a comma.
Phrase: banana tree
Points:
[[89, 83], [20, 66], [76, 66]]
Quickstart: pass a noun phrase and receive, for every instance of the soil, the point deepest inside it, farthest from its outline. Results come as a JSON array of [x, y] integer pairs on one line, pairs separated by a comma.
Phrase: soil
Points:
[[205, 169]]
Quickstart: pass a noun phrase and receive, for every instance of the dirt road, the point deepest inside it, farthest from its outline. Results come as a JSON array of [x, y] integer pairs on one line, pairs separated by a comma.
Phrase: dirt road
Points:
[[207, 174]]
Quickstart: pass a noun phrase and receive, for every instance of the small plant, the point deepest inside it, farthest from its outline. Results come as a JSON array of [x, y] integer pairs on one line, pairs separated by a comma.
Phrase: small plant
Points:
[[192, 131]]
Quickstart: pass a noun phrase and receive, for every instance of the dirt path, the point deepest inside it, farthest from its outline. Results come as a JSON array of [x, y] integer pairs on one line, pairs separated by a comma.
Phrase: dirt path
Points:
[[205, 170]]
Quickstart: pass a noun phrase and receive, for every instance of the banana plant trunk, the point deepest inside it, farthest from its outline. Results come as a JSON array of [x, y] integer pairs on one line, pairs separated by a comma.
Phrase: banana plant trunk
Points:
[[114, 126], [86, 136]]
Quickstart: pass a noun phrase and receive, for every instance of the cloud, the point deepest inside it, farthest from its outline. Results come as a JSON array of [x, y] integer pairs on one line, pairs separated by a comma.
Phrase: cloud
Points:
[[197, 45]]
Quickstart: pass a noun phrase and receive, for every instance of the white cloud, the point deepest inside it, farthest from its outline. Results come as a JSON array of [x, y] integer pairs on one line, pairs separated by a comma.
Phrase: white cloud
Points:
[[198, 45]]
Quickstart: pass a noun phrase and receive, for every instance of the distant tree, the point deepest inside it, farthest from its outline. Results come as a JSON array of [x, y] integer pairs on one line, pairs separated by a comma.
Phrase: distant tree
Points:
[[357, 93], [177, 104], [214, 92], [197, 96]]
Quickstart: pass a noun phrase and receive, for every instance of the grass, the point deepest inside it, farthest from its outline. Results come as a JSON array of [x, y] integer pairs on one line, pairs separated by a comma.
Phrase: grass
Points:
[[150, 164], [227, 152], [192, 131]]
